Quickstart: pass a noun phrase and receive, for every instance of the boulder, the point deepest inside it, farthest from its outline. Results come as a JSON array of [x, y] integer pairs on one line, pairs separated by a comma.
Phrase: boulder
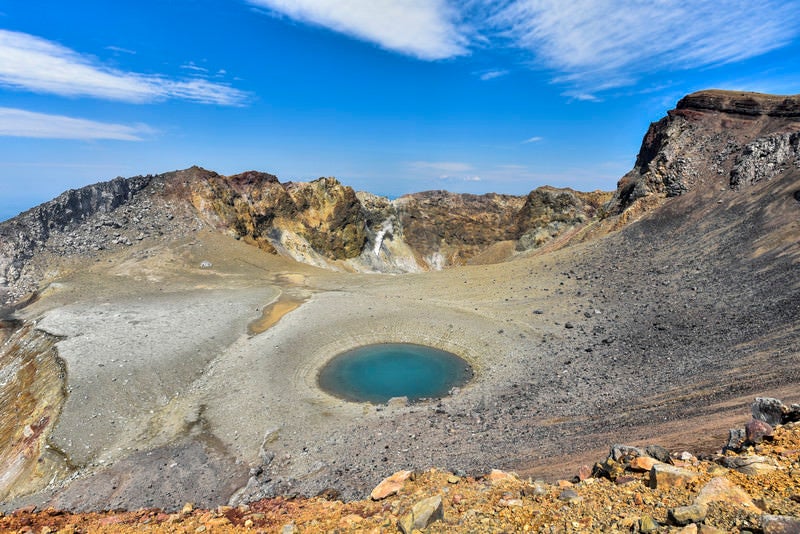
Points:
[[749, 465], [769, 410], [736, 438], [664, 476], [684, 515], [422, 514], [720, 489], [756, 431], [643, 463], [780, 524]]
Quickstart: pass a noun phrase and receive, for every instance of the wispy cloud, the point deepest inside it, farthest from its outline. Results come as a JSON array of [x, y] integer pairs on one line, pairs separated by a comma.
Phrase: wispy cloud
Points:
[[534, 139], [22, 123], [492, 74], [601, 44], [427, 29], [34, 64], [121, 50]]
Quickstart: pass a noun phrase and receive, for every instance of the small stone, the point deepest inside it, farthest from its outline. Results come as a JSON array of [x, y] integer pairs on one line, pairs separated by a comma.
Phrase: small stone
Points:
[[397, 402], [569, 325], [664, 476], [205, 264], [248, 523], [570, 496], [422, 514], [720, 489], [708, 529], [289, 528], [390, 485], [736, 437], [496, 476], [188, 508], [688, 529], [756, 431], [683, 515], [452, 479], [643, 463], [584, 472], [536, 489], [647, 524], [780, 524]]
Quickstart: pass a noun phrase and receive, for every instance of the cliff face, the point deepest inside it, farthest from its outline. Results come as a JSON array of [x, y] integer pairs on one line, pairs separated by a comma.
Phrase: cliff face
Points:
[[711, 138], [257, 207], [738, 137], [322, 223]]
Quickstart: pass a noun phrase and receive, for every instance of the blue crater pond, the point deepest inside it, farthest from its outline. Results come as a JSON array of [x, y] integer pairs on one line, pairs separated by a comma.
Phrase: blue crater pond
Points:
[[376, 373]]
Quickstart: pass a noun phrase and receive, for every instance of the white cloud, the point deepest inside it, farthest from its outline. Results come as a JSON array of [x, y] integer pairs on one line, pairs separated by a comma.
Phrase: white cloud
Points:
[[22, 123], [121, 50], [427, 29], [492, 74], [534, 139], [31, 63], [601, 44]]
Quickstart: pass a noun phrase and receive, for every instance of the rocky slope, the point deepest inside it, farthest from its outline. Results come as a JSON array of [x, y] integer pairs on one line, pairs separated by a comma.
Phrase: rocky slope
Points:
[[322, 223], [755, 488], [657, 332], [742, 137]]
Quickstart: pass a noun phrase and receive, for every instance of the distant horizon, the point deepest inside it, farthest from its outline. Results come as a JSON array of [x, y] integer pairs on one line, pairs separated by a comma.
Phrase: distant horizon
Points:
[[388, 96]]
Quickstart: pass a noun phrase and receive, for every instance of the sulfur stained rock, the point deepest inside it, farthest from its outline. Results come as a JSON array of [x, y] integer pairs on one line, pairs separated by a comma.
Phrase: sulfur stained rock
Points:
[[422, 514], [683, 515], [663, 476], [496, 476], [720, 489]]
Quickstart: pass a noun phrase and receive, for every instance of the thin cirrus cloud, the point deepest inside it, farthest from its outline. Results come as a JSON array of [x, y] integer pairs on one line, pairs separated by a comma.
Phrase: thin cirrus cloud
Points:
[[596, 45], [22, 123], [534, 139], [492, 74], [34, 64], [426, 29], [590, 46]]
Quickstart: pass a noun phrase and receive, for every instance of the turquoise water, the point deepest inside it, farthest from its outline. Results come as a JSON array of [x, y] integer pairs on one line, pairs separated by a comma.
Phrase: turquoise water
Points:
[[376, 373]]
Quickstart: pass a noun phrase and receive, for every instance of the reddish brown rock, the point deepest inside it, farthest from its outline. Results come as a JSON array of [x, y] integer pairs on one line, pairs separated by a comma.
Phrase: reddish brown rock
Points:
[[663, 476], [390, 485], [756, 431], [643, 463]]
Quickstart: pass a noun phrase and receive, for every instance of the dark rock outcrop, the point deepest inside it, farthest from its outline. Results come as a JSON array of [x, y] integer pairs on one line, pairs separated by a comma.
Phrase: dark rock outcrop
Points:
[[741, 138]]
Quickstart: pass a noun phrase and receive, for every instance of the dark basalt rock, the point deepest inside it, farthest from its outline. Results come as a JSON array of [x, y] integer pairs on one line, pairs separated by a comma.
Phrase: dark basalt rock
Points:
[[742, 103]]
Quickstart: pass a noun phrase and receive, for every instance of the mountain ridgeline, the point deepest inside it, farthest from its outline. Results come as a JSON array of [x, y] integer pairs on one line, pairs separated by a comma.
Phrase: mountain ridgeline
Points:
[[739, 138]]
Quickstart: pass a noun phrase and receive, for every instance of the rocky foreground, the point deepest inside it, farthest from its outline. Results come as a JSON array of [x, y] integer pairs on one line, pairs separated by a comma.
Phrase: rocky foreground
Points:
[[163, 359], [751, 485]]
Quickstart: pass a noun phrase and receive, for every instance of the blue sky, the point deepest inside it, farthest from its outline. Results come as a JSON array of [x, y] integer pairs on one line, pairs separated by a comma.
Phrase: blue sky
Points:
[[389, 96]]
